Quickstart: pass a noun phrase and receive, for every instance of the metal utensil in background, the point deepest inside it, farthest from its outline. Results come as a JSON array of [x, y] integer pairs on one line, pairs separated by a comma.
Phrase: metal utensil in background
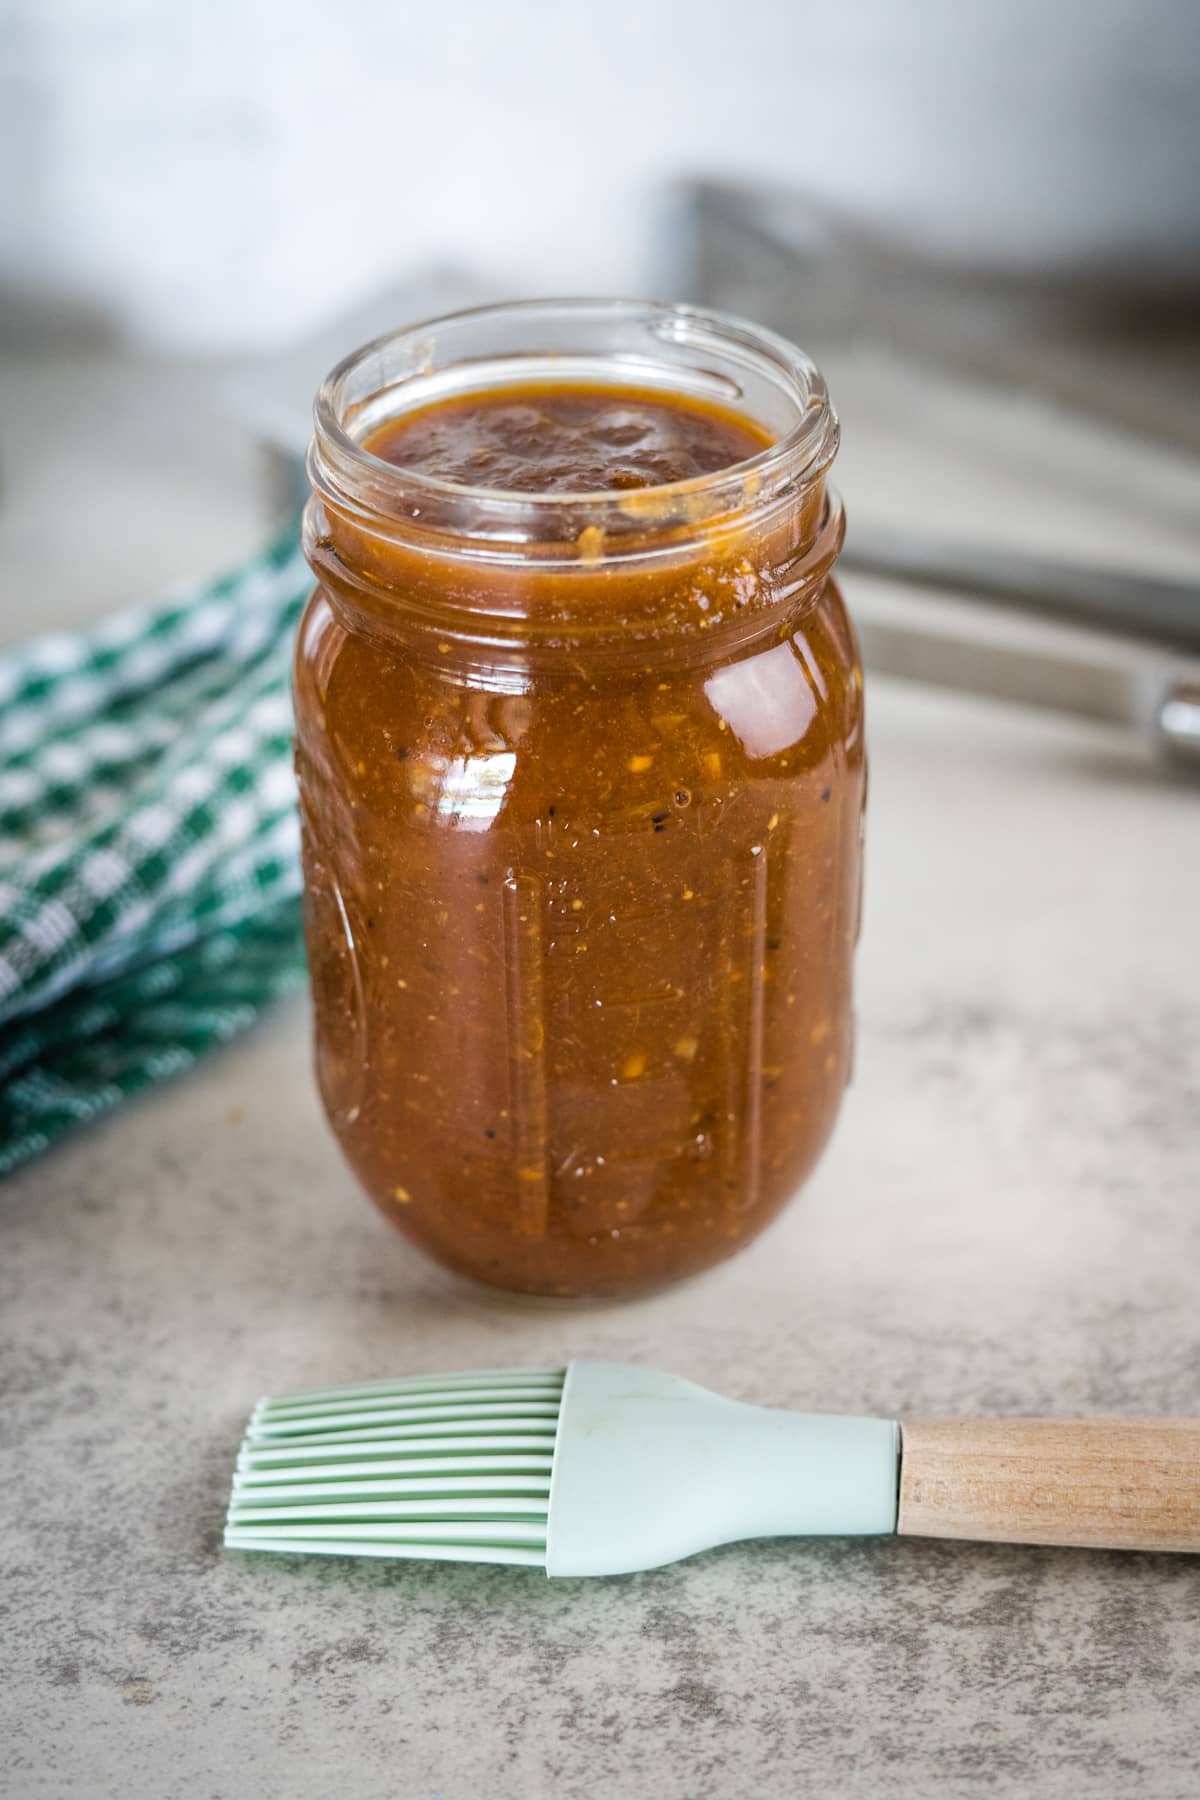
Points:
[[1144, 607], [960, 644], [1111, 645], [1134, 661], [824, 279]]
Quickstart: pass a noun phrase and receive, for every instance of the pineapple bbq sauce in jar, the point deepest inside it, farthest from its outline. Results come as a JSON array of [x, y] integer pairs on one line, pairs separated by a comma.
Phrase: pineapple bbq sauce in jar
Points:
[[580, 752]]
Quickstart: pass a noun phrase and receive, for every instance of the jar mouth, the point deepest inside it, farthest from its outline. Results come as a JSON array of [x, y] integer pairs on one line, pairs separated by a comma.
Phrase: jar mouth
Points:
[[678, 349]]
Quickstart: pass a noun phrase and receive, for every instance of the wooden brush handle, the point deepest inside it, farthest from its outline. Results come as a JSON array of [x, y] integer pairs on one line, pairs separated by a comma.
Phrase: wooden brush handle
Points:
[[1121, 1484]]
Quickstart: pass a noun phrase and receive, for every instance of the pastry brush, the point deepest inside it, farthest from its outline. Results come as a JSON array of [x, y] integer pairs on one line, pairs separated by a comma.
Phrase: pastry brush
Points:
[[604, 1468]]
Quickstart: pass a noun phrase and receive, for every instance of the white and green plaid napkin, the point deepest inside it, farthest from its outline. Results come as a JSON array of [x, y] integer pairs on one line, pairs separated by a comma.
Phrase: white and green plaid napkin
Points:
[[149, 878]]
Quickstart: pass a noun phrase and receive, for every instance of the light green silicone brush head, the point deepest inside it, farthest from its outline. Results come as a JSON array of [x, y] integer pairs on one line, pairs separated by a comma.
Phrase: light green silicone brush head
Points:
[[456, 1467], [598, 1469]]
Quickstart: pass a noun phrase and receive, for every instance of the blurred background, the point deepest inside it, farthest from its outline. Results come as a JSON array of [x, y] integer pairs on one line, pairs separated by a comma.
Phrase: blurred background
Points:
[[984, 221], [231, 175]]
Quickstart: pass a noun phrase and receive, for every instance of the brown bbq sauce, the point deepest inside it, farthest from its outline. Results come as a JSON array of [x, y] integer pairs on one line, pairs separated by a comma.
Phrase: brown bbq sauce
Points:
[[551, 439]]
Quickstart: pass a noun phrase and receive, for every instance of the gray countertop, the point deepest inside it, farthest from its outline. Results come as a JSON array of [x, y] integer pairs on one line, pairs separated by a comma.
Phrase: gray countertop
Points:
[[1008, 1221]]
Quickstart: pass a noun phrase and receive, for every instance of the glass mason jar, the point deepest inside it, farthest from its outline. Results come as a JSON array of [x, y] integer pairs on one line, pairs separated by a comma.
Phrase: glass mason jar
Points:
[[581, 783]]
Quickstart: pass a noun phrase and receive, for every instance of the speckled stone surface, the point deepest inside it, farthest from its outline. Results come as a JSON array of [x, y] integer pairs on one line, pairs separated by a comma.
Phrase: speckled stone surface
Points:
[[1009, 1220]]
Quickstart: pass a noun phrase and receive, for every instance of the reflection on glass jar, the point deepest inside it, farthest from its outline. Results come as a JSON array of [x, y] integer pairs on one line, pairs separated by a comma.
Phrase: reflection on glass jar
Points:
[[582, 780]]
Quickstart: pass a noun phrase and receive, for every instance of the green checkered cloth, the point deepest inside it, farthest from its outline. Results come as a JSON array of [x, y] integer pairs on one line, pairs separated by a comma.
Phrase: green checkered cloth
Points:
[[149, 877]]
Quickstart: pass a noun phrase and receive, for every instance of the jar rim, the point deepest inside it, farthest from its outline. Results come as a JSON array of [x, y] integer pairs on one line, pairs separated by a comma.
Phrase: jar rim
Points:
[[361, 387]]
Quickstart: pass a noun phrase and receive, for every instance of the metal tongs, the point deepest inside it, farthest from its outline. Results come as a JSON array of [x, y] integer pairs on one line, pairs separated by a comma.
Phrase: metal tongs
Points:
[[1140, 670]]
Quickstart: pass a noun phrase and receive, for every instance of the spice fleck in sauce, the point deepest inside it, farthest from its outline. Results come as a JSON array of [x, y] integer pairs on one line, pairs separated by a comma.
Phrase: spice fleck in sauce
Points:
[[581, 900]]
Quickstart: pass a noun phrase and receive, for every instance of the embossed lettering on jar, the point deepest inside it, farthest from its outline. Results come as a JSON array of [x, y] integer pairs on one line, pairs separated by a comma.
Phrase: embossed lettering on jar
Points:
[[579, 739]]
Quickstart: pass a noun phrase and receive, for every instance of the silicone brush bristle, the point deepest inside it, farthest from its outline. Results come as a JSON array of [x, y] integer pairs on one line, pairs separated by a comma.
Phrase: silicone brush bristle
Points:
[[453, 1467]]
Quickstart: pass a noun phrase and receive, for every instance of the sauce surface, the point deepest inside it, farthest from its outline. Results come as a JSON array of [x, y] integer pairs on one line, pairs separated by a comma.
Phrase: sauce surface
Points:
[[580, 922], [549, 438]]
